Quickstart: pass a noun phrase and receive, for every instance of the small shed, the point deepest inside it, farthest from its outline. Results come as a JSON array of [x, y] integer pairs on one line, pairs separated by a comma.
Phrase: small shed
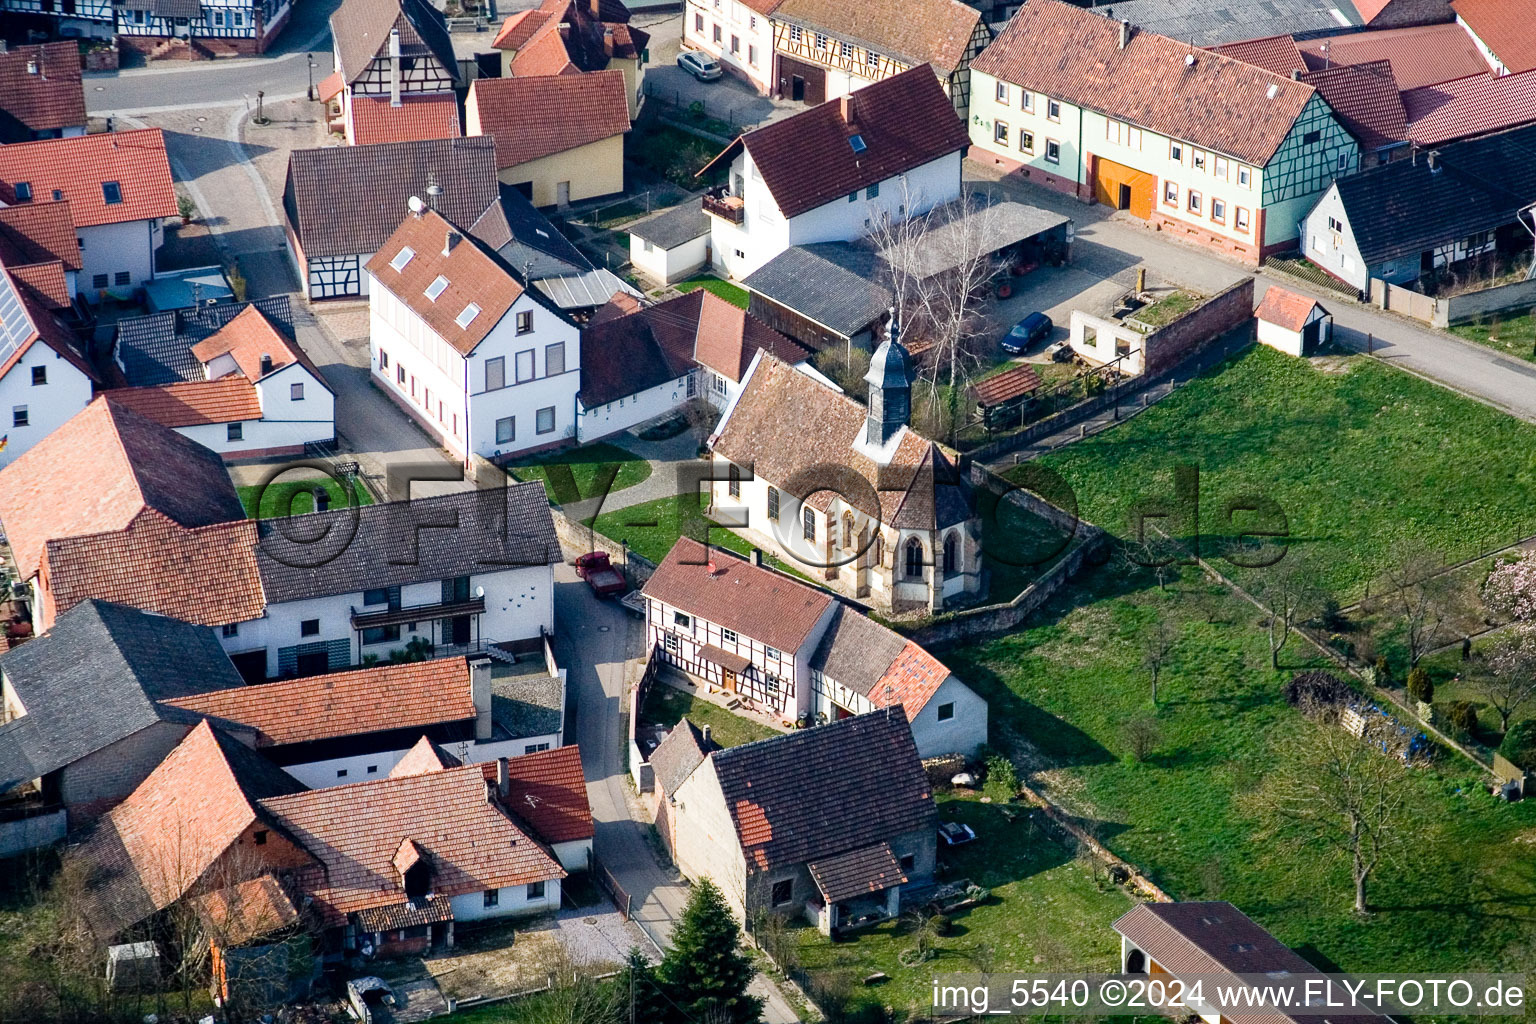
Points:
[[1293, 323], [672, 244], [133, 967], [999, 398]]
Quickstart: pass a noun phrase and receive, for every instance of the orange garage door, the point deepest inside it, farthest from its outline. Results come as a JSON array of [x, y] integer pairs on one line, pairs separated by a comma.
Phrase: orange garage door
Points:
[[1124, 188]]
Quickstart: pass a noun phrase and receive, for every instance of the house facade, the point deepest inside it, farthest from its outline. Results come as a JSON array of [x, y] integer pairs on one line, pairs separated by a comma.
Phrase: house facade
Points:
[[391, 55], [1237, 178], [833, 172], [486, 363], [737, 33], [175, 29], [45, 376]]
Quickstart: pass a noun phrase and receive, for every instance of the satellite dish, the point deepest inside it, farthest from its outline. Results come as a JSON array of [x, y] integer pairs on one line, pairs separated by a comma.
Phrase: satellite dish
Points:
[[416, 205]]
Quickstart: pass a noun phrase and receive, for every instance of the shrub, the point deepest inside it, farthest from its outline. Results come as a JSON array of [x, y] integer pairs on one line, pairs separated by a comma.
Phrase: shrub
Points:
[[940, 924], [1333, 617], [1462, 718], [1420, 687], [1002, 783], [1316, 690], [1142, 735], [1383, 672], [1519, 746]]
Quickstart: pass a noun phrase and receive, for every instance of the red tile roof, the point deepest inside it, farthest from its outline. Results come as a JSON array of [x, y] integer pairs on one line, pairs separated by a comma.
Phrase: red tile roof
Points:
[[807, 160], [49, 287], [1421, 55], [756, 602], [544, 53], [37, 295], [233, 916], [1505, 27], [208, 575], [1272, 53], [519, 28], [548, 791], [246, 339], [99, 472], [1285, 308], [539, 116], [912, 679], [331, 86], [728, 338], [40, 86], [1217, 102], [1006, 386], [354, 832], [936, 32], [336, 704], [1466, 107], [422, 758], [40, 232], [475, 277], [416, 118], [194, 402], [1365, 97], [79, 168]]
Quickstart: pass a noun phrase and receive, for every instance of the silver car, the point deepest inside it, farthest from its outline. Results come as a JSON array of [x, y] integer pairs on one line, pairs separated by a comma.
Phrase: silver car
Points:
[[700, 65]]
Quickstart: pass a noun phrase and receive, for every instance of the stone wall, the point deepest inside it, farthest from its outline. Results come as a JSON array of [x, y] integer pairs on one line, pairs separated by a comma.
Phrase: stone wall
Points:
[[1517, 298]]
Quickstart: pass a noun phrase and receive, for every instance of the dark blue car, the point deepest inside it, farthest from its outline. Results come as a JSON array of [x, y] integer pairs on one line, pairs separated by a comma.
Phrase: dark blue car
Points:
[[1033, 328]]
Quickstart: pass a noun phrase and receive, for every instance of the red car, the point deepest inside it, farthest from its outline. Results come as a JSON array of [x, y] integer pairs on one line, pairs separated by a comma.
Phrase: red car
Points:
[[601, 576]]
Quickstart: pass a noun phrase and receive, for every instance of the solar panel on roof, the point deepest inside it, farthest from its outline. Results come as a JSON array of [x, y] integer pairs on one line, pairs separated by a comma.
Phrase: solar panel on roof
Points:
[[15, 325]]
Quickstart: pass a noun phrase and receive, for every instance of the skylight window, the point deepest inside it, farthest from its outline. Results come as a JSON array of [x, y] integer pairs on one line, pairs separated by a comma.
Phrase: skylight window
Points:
[[23, 191], [436, 287], [857, 142], [402, 257], [467, 317], [112, 192]]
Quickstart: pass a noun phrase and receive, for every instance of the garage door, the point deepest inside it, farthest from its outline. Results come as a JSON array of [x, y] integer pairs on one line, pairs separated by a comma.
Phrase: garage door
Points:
[[1124, 188]]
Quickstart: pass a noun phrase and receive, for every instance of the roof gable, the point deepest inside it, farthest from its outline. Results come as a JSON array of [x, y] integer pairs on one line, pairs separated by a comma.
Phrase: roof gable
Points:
[[361, 29], [248, 339], [936, 32], [1366, 100], [532, 117], [40, 86], [79, 168]]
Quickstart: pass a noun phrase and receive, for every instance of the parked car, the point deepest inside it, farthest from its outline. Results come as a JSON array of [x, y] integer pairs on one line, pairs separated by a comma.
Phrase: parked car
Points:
[[700, 65], [601, 576], [1033, 328], [955, 833]]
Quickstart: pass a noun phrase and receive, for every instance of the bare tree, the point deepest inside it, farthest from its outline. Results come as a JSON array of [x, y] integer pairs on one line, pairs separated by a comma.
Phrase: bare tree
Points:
[[1418, 596], [1507, 678], [1143, 735], [1333, 793], [1157, 645], [1289, 593], [575, 996], [1153, 553], [701, 416]]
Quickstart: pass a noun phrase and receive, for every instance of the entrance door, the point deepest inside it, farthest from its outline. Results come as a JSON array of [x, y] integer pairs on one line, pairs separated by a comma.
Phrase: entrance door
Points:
[[252, 665], [1123, 188], [563, 193], [1310, 336], [728, 680], [456, 630], [1123, 200], [313, 664], [797, 88]]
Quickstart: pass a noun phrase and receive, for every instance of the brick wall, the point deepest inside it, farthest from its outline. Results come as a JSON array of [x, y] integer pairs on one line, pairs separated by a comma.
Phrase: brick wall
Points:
[[1171, 345]]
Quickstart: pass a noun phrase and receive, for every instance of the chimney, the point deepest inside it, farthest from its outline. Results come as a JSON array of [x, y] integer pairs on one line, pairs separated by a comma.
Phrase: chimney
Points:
[[1295, 74], [266, 364], [704, 732], [1433, 159], [394, 67], [453, 239], [757, 557], [503, 780], [1125, 32], [846, 107], [480, 695]]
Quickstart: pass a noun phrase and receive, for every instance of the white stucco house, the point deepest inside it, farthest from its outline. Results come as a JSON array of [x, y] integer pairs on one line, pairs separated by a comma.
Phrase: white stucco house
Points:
[[831, 173], [737, 33], [45, 377], [486, 363]]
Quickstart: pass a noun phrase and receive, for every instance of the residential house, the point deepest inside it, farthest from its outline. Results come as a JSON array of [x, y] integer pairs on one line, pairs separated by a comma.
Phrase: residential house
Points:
[[839, 851], [1465, 108], [824, 50], [1420, 55], [1291, 322], [1177, 940], [563, 37], [650, 362], [41, 94], [559, 138], [342, 203], [1232, 156], [670, 245], [891, 150], [737, 33], [1367, 101], [39, 248], [341, 727], [1214, 22], [488, 365], [397, 71], [157, 349], [385, 866], [84, 717], [862, 502], [547, 790], [260, 396], [118, 186], [45, 374], [81, 19], [1502, 31], [200, 29], [1427, 216]]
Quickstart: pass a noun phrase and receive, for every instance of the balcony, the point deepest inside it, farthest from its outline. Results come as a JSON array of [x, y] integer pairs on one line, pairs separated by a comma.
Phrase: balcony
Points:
[[365, 619], [727, 208]]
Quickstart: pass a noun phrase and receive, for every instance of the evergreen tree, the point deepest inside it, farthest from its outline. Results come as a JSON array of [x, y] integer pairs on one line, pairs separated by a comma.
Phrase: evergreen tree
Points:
[[705, 972], [643, 999]]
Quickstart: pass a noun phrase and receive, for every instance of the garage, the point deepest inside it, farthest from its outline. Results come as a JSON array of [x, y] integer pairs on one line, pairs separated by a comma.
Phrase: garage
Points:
[[1123, 188], [801, 82]]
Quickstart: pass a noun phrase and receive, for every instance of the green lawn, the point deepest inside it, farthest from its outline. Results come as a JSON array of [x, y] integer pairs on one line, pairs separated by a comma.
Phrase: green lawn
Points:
[[670, 153], [727, 291], [666, 706], [1354, 457], [577, 473], [1514, 336], [1046, 913], [288, 496], [1167, 309], [1020, 547], [652, 527]]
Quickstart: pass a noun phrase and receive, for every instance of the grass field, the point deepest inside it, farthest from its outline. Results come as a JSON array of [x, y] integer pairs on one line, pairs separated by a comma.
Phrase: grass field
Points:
[[1354, 454], [288, 496], [1514, 336], [727, 291], [652, 527], [588, 467], [666, 706]]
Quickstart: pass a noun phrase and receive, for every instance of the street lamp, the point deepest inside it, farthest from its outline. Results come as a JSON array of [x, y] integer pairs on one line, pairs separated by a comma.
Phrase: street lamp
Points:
[[312, 66]]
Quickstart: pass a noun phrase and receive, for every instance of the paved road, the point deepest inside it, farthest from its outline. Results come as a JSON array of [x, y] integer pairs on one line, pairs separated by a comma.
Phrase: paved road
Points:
[[594, 641]]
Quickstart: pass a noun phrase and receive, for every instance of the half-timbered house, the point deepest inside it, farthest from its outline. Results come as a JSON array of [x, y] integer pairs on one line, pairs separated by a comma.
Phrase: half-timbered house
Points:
[[823, 49], [396, 59], [80, 19], [1210, 148], [200, 29]]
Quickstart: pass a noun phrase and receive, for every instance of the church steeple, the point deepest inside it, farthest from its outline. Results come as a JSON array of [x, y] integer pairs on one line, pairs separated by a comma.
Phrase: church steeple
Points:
[[890, 388]]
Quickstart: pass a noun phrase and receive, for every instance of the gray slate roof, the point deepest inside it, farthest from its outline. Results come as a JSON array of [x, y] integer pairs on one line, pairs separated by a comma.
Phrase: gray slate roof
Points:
[[526, 239], [526, 703], [157, 349], [351, 549], [856, 650], [835, 284], [1212, 22], [671, 228], [678, 754], [95, 678], [348, 200]]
